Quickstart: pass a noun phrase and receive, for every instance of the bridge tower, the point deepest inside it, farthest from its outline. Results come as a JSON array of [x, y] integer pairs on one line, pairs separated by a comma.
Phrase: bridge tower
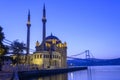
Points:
[[87, 54]]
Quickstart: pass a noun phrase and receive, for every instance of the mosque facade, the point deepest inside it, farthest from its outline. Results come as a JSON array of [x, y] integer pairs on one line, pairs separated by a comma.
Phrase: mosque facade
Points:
[[50, 53]]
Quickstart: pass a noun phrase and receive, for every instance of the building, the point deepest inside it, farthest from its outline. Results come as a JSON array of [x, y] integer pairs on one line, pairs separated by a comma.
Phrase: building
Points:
[[50, 53]]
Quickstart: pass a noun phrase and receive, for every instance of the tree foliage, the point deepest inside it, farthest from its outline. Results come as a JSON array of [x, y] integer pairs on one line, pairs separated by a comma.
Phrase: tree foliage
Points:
[[17, 48], [3, 48]]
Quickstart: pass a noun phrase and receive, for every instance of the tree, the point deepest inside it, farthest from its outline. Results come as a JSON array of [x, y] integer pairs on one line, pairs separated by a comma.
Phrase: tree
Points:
[[17, 48], [3, 48]]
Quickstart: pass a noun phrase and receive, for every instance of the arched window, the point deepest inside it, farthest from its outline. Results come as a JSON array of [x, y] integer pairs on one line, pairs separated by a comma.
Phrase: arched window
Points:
[[37, 56], [40, 55]]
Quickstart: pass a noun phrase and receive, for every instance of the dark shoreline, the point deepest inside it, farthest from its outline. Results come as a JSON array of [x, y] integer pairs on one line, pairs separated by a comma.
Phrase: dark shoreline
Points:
[[47, 72]]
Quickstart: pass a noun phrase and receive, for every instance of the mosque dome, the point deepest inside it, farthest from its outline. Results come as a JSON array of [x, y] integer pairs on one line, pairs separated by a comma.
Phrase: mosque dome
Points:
[[52, 38]]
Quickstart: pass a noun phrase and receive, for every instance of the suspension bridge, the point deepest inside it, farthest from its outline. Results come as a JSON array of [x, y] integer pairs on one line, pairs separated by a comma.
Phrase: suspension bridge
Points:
[[87, 55]]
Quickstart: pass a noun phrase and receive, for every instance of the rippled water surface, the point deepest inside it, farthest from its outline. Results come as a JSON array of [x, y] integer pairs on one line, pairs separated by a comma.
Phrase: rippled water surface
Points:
[[93, 73]]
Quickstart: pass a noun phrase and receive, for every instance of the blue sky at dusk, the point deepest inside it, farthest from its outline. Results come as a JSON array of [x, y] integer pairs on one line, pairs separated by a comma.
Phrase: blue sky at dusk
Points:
[[83, 24]]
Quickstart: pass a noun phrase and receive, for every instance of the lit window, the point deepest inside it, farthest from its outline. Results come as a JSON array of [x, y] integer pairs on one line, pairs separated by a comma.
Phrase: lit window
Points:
[[40, 55], [37, 56]]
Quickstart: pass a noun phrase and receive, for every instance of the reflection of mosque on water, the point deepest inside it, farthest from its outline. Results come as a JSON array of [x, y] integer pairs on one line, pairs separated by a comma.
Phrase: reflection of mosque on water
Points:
[[54, 77], [85, 75]]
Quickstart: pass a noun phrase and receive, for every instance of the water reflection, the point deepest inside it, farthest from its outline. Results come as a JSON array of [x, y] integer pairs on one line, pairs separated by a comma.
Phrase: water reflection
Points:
[[76, 75], [96, 73], [89, 73], [53, 77], [72, 76], [92, 73]]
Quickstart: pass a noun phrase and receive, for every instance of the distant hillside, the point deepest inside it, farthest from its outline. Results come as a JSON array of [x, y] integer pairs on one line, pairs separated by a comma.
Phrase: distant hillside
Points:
[[93, 62]]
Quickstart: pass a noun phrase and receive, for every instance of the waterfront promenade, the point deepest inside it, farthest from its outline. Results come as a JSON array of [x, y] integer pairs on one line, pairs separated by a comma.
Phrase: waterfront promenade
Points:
[[5, 75]]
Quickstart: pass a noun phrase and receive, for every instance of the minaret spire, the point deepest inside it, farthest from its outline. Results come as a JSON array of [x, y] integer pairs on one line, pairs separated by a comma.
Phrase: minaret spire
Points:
[[28, 32], [44, 25], [28, 22], [44, 11]]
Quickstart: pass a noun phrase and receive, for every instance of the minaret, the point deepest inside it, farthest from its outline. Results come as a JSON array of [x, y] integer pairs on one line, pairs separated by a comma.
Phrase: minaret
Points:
[[44, 26], [28, 32]]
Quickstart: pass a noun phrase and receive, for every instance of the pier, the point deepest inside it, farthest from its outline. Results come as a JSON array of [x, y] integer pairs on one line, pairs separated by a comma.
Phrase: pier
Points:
[[47, 72]]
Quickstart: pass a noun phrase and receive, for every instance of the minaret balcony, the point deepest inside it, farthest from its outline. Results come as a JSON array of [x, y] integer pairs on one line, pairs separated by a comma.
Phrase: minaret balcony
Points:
[[44, 19]]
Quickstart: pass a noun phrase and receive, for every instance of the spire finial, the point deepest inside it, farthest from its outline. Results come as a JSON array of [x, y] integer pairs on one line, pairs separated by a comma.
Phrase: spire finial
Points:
[[28, 12], [28, 22], [44, 11], [44, 6], [29, 15]]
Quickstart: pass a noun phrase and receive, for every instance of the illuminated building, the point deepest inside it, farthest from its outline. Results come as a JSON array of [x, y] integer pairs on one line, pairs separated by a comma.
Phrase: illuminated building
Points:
[[51, 52]]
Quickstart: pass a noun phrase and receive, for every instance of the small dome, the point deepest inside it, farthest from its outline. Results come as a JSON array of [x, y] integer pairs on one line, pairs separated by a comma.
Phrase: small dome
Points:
[[51, 37]]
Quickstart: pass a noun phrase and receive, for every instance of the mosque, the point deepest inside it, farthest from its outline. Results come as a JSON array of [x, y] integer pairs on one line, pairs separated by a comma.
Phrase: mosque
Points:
[[50, 53]]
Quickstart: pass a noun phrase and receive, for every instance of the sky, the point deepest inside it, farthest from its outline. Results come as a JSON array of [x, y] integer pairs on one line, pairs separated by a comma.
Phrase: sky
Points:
[[84, 24]]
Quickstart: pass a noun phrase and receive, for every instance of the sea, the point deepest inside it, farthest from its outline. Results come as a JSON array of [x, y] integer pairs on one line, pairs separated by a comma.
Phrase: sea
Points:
[[92, 73]]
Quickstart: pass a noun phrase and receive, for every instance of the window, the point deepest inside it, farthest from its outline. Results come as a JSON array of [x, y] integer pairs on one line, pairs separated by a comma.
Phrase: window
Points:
[[37, 56], [59, 57], [40, 55], [44, 56], [48, 56], [56, 56], [53, 56]]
